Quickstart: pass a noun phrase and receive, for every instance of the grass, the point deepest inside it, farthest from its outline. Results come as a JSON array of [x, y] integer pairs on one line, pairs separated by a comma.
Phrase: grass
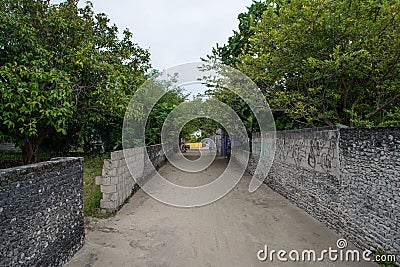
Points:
[[10, 155], [93, 166], [380, 252]]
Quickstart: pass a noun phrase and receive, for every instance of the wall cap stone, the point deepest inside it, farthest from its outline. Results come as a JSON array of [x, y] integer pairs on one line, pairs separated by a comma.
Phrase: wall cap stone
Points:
[[8, 176]]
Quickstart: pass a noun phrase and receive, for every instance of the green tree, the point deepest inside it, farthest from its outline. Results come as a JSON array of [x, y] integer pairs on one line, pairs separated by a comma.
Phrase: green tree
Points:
[[239, 42], [168, 102], [206, 125], [327, 62], [62, 68]]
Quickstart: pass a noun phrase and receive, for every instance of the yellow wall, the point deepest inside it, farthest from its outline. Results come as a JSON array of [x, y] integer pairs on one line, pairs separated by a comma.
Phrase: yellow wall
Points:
[[195, 145]]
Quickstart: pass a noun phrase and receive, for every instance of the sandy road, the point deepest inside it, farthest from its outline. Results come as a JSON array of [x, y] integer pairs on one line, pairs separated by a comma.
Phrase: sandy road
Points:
[[228, 232]]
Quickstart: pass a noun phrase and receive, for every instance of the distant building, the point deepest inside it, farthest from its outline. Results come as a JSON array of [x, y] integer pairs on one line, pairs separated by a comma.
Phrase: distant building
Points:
[[8, 147]]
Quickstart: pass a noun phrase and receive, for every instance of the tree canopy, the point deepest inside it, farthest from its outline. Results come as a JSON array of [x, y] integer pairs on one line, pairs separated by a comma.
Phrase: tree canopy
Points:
[[63, 69], [322, 62], [68, 74]]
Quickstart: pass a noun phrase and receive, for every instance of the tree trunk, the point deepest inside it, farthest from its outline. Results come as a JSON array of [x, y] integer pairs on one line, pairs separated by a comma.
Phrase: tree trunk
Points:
[[27, 153], [30, 149]]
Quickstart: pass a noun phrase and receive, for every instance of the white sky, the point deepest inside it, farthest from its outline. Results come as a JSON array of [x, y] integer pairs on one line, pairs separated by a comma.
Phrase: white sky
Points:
[[174, 31]]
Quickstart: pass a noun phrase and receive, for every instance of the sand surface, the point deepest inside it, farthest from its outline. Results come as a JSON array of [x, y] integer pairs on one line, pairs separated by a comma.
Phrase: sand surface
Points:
[[228, 232]]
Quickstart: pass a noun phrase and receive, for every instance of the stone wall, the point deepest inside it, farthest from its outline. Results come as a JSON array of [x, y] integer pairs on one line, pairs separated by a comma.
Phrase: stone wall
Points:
[[370, 187], [346, 178], [41, 213], [305, 171], [117, 183]]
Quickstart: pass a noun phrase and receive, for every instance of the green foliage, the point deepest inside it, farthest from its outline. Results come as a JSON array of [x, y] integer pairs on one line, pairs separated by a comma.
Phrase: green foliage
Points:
[[63, 71], [325, 62], [380, 253], [172, 98], [206, 125], [92, 195], [241, 108], [238, 44], [239, 41]]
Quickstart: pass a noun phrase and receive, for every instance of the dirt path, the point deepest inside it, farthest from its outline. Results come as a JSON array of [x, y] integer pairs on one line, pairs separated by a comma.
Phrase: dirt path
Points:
[[228, 232]]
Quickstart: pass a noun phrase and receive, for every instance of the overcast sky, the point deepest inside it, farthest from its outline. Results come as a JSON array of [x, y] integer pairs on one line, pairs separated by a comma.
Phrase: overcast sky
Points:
[[175, 31]]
